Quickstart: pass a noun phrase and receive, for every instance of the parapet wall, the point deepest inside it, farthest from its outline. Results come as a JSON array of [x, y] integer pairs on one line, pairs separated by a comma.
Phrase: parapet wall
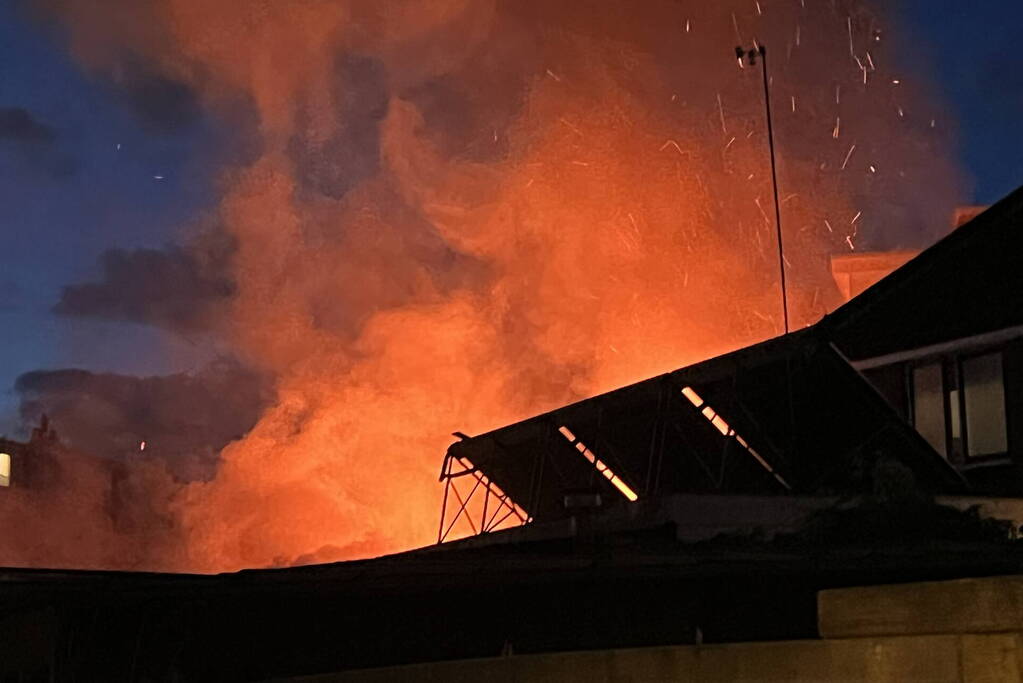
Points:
[[966, 631]]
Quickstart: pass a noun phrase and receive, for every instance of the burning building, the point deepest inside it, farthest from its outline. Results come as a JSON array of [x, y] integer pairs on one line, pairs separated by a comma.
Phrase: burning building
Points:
[[468, 212], [899, 373], [670, 522], [464, 213]]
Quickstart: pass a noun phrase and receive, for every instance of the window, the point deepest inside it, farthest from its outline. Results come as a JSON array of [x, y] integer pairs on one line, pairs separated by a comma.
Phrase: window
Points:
[[984, 399], [929, 405], [958, 406], [5, 469]]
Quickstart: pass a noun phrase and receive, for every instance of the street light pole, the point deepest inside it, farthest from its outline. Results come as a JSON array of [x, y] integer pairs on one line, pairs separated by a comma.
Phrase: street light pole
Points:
[[751, 55]]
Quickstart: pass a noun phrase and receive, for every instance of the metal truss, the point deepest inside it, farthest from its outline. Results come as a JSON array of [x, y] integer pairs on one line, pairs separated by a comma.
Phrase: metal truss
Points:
[[483, 509]]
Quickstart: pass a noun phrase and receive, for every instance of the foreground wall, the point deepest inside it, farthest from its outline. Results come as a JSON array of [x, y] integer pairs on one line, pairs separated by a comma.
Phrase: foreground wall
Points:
[[966, 631]]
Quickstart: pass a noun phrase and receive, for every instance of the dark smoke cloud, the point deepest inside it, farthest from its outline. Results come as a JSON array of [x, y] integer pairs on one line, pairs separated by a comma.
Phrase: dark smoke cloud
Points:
[[31, 144], [19, 124], [177, 288], [185, 419], [332, 166], [162, 104]]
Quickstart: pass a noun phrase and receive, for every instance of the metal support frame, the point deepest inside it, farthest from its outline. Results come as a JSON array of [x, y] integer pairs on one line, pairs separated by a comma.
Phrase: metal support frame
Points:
[[498, 510]]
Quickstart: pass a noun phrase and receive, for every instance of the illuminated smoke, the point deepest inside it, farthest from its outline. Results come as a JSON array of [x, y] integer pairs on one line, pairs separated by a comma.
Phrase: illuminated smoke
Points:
[[465, 212]]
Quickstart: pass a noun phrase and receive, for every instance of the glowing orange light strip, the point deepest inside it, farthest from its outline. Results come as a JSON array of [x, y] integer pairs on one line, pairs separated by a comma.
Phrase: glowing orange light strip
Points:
[[599, 464], [722, 426]]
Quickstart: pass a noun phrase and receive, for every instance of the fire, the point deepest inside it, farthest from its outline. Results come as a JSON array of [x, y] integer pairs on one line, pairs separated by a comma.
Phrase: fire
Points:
[[593, 215]]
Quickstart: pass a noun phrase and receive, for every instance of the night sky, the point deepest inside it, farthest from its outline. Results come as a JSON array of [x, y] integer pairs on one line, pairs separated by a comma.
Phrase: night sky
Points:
[[88, 163]]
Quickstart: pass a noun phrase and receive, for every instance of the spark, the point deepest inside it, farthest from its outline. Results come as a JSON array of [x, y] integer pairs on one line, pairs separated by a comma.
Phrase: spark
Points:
[[856, 218], [848, 240], [611, 346], [760, 12], [671, 143], [896, 81], [635, 226], [848, 22], [798, 27], [157, 177], [553, 75], [902, 114], [873, 169], [571, 127], [838, 128], [721, 111], [932, 123], [762, 212], [862, 68], [142, 446], [838, 94], [687, 26], [828, 226], [118, 146], [735, 24], [793, 104], [730, 143], [581, 163], [847, 156], [871, 62]]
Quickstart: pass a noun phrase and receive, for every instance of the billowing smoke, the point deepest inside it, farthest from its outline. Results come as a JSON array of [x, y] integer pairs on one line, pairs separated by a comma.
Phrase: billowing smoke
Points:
[[183, 419], [184, 290], [18, 124], [467, 211]]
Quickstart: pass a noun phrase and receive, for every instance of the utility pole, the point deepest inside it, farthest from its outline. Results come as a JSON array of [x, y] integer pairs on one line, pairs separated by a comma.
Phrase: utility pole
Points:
[[751, 55]]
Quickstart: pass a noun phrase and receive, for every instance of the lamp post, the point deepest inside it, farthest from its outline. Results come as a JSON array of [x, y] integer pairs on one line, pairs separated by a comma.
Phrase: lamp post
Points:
[[751, 56]]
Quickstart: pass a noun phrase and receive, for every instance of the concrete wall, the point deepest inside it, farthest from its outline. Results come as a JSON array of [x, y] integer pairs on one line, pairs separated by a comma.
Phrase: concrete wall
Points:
[[968, 631]]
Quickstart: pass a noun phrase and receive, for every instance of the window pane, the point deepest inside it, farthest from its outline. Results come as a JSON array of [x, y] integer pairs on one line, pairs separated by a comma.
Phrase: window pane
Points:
[[929, 405], [953, 401], [985, 405]]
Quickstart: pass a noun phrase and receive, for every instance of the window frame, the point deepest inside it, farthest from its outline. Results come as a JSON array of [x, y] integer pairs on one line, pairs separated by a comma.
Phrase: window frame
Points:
[[952, 380]]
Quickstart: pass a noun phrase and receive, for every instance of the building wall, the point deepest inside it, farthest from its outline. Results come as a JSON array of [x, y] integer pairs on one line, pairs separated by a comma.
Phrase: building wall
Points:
[[967, 631]]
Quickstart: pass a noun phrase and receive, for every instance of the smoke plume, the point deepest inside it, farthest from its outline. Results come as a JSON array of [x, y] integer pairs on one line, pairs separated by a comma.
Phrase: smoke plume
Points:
[[464, 212], [183, 420]]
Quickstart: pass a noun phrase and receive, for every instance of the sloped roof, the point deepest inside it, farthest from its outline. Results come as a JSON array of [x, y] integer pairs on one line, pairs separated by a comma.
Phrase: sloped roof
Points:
[[793, 416], [969, 283]]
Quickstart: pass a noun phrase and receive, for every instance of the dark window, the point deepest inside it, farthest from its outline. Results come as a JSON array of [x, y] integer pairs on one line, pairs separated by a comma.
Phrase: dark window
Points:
[[958, 406], [929, 405], [984, 402]]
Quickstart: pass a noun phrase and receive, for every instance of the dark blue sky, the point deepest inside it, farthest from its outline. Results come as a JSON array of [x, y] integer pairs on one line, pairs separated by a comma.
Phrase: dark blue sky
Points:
[[970, 51], [94, 173], [87, 184]]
